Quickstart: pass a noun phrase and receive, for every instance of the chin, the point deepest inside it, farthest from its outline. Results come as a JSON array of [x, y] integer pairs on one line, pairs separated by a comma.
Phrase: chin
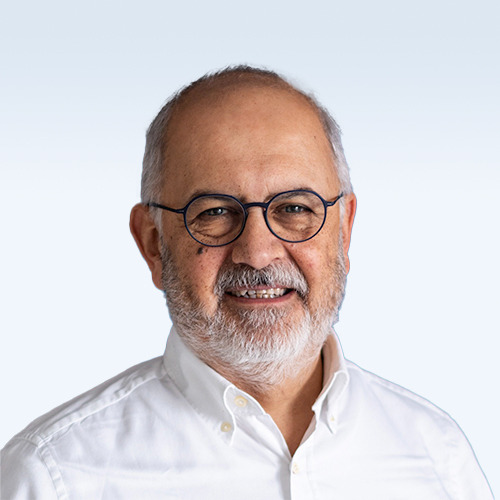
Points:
[[262, 347]]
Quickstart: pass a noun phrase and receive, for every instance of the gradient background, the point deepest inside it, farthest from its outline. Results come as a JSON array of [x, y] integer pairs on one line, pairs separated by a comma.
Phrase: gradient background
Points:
[[415, 88]]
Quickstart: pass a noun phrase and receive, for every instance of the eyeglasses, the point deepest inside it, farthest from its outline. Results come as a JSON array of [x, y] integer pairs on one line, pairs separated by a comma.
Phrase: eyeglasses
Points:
[[215, 220]]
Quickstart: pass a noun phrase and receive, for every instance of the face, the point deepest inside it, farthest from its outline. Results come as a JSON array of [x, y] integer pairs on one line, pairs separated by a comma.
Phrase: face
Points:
[[252, 143]]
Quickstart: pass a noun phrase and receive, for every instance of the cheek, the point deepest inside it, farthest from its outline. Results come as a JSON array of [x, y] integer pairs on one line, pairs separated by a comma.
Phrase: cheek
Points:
[[199, 267], [316, 263]]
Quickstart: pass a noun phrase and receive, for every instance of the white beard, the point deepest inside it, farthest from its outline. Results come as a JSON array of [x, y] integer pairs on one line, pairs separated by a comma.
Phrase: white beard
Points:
[[261, 346]]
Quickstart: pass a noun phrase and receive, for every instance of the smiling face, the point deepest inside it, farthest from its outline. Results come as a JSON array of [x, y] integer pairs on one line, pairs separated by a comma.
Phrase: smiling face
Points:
[[251, 142]]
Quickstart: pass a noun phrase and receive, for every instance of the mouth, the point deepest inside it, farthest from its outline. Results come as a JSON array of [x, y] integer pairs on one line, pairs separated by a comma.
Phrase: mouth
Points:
[[259, 293]]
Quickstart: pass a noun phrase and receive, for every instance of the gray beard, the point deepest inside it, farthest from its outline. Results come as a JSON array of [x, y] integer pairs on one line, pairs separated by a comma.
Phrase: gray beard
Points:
[[261, 347]]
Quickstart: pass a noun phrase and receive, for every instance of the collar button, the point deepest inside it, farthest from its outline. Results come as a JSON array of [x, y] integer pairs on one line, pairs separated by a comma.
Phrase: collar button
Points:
[[240, 401]]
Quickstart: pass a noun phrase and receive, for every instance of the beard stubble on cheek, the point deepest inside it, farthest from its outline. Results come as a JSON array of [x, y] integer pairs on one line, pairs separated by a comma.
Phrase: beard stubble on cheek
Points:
[[261, 345]]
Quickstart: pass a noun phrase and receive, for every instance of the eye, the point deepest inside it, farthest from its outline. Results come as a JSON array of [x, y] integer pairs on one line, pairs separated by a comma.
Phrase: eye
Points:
[[214, 212], [295, 209]]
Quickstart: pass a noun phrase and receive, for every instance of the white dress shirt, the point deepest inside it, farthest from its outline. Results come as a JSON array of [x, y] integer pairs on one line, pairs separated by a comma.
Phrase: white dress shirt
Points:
[[172, 428]]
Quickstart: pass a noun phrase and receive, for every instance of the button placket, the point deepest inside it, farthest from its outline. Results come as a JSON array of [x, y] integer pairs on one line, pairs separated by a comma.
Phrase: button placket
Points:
[[226, 427], [300, 486]]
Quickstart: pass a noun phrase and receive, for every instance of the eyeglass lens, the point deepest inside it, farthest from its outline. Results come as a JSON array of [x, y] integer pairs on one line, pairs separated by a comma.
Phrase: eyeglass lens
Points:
[[217, 220]]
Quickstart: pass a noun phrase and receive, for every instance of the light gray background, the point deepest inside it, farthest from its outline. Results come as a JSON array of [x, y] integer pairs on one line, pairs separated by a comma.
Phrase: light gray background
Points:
[[414, 86]]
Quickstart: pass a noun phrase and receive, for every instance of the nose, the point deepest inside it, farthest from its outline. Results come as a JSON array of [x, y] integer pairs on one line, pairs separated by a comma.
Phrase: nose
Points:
[[257, 246]]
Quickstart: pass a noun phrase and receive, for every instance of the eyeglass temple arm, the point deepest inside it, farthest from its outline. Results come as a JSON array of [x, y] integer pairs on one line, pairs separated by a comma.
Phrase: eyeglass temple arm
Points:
[[163, 207], [331, 203]]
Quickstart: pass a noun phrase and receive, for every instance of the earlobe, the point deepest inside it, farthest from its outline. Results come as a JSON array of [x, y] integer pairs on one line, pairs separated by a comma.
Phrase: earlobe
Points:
[[147, 238], [347, 223]]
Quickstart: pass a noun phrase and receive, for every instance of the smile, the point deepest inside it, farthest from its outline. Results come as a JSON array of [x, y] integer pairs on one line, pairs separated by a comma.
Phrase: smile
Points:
[[269, 293]]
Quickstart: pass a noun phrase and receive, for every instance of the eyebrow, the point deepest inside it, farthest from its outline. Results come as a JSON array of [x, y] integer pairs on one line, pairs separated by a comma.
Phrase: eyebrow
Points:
[[206, 192]]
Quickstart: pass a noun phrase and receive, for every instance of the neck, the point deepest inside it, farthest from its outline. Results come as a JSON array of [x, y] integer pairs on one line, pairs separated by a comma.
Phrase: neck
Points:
[[289, 403]]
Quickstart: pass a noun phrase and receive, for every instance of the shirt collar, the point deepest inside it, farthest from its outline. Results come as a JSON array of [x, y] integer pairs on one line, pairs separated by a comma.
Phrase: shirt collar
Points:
[[335, 380], [202, 386], [217, 400]]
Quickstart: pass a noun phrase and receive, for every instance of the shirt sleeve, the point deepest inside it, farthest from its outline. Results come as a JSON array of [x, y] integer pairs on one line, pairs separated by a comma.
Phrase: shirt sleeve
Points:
[[25, 474], [469, 479]]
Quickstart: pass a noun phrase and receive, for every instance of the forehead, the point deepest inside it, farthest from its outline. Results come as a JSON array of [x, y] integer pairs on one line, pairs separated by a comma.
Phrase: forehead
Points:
[[231, 139]]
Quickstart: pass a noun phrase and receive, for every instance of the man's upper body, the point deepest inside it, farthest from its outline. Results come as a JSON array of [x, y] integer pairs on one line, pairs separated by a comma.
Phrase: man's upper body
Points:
[[245, 224], [174, 428]]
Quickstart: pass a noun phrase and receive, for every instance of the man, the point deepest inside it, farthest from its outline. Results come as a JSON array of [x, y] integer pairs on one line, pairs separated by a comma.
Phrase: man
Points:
[[245, 223]]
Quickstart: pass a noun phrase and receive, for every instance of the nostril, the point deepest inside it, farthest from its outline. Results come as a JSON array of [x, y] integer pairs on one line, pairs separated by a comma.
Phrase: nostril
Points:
[[257, 247]]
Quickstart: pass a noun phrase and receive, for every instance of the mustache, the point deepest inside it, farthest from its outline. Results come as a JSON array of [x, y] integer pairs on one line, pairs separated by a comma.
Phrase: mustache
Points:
[[284, 275]]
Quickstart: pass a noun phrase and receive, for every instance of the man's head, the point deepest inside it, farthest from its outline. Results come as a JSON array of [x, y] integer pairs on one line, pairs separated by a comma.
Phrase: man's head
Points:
[[250, 135], [153, 175]]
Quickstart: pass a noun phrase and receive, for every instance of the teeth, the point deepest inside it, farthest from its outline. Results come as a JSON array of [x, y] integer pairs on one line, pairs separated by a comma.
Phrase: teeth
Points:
[[270, 293]]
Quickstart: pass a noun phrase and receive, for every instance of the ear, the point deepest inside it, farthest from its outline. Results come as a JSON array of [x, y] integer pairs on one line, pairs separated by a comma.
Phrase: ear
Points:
[[146, 236], [346, 226]]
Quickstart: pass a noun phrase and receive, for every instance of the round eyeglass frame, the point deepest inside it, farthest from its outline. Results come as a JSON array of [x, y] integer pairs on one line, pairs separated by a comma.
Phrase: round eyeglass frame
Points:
[[245, 207]]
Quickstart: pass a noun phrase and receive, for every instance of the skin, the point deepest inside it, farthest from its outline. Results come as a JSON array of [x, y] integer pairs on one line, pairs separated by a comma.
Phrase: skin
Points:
[[251, 142]]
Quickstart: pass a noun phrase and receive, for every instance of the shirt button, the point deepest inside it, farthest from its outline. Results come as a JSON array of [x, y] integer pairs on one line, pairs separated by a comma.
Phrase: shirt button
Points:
[[240, 401], [332, 418], [226, 427], [295, 468]]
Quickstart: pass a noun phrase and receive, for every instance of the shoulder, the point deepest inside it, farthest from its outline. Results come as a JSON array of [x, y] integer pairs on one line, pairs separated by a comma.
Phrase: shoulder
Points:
[[399, 417], [88, 425], [399, 422], [375, 390], [110, 396]]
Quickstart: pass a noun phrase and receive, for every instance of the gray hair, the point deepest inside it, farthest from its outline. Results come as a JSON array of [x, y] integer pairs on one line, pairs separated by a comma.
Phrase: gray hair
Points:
[[153, 177]]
